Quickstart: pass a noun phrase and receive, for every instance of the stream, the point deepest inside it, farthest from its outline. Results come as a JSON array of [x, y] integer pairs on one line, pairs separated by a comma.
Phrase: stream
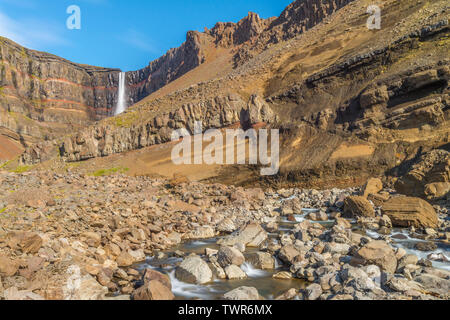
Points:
[[268, 287]]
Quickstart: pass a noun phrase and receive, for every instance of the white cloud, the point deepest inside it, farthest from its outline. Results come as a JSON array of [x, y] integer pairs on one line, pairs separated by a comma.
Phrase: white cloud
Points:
[[32, 33]]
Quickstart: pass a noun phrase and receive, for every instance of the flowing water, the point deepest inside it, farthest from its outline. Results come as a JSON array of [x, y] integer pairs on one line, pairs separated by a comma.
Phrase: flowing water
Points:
[[267, 286], [121, 100]]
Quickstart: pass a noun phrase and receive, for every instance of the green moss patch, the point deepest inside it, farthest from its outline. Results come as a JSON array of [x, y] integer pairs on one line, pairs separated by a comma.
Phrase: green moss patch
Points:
[[107, 172]]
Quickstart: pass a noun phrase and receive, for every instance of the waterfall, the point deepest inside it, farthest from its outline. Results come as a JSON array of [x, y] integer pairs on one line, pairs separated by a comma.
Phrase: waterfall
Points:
[[121, 100]]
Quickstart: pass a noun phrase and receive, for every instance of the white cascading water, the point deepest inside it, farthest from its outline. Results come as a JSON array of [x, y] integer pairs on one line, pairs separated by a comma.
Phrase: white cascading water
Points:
[[121, 100]]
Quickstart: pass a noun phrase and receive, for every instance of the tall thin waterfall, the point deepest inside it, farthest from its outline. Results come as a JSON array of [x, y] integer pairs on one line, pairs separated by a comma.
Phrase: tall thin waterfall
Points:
[[121, 100]]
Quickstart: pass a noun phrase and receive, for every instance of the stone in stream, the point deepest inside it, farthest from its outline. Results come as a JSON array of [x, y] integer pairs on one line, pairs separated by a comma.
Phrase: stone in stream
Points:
[[318, 216], [194, 270], [379, 253], [288, 295], [204, 232], [283, 275], [408, 212], [357, 206], [425, 246], [229, 255], [252, 235], [289, 254], [150, 275], [226, 225], [260, 260], [242, 293], [234, 272]]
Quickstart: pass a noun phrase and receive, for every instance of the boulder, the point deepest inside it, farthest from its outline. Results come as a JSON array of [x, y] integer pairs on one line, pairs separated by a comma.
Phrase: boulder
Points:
[[372, 186], [85, 287], [409, 211], [252, 235], [378, 253], [313, 291], [229, 255], [436, 191], [357, 206], [434, 283], [194, 270], [150, 275], [8, 267], [431, 167], [289, 254], [260, 260], [242, 293], [27, 242], [234, 272], [153, 290], [203, 232], [357, 278], [125, 259]]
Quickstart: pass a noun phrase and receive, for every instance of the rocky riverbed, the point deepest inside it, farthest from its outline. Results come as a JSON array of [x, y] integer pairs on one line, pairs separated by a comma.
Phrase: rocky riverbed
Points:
[[72, 236]]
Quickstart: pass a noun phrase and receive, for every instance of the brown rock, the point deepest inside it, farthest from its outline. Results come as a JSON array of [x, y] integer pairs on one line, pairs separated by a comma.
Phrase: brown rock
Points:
[[432, 167], [372, 186], [153, 290], [289, 254], [229, 255], [357, 206], [125, 259], [378, 253], [28, 242], [408, 211], [437, 190], [151, 275], [8, 267]]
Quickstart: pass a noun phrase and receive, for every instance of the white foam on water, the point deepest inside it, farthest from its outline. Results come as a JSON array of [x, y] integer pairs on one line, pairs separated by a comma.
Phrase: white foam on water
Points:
[[252, 272], [188, 290], [121, 103]]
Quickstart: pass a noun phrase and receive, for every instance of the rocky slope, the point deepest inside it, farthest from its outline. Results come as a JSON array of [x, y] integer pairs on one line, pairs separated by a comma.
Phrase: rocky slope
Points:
[[86, 237], [350, 102]]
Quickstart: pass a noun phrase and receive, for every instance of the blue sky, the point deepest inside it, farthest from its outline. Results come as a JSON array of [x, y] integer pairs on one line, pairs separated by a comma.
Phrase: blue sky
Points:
[[119, 33]]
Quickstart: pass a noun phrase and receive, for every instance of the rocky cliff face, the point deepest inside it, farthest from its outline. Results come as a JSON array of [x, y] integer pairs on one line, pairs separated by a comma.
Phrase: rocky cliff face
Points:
[[110, 138]]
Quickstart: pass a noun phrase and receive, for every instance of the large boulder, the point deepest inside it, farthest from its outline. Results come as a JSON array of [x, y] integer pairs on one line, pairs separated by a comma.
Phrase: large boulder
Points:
[[82, 287], [378, 253], [242, 293], [8, 267], [289, 254], [409, 211], [437, 191], [357, 206], [153, 290], [194, 270], [432, 167], [234, 272], [229, 255], [260, 260], [151, 275], [372, 186], [27, 242], [252, 235]]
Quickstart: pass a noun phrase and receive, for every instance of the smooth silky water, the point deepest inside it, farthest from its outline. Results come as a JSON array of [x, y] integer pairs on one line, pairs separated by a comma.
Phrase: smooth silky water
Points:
[[267, 286]]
